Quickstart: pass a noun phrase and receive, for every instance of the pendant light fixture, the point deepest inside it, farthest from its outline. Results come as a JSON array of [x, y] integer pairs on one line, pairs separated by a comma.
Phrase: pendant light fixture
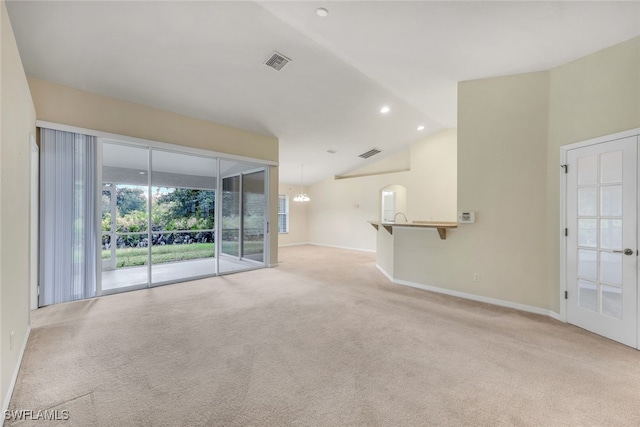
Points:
[[301, 197]]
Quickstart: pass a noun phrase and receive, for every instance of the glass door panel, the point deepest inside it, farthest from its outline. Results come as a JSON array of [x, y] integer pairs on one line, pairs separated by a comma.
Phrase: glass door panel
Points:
[[243, 216], [125, 183], [108, 228], [230, 239], [183, 220], [253, 216]]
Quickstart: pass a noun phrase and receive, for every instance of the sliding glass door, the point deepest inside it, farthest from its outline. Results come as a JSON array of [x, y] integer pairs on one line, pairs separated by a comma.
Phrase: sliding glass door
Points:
[[231, 218], [253, 216], [125, 217], [183, 216], [243, 216], [160, 222], [118, 216]]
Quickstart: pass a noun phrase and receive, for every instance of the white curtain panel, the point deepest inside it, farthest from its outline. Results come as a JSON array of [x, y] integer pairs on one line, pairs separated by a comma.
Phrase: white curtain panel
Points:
[[68, 217]]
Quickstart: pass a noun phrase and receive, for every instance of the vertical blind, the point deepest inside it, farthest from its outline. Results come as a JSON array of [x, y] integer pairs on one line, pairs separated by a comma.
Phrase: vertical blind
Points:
[[68, 217]]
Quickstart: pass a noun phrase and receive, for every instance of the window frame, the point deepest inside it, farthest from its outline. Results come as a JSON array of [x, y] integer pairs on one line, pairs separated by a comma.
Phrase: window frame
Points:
[[286, 213]]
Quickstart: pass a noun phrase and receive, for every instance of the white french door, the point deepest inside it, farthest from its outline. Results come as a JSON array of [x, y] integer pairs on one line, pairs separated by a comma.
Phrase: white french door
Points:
[[602, 240]]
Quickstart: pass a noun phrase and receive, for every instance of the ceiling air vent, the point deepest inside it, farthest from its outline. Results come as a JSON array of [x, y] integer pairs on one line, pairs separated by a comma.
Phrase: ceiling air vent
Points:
[[370, 153], [277, 61]]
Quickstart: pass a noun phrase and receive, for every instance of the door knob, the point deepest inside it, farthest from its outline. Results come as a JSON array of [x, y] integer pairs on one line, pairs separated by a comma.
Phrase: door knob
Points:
[[627, 252]]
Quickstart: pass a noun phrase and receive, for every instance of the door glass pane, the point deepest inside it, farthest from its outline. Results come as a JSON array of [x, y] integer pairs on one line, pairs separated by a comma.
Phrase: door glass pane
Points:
[[612, 301], [183, 196], [588, 295], [131, 208], [611, 167], [587, 201], [587, 264], [107, 227], [243, 213], [230, 243], [107, 258], [106, 210], [253, 216], [611, 234], [131, 251], [587, 233], [588, 170], [611, 268], [611, 200], [125, 172]]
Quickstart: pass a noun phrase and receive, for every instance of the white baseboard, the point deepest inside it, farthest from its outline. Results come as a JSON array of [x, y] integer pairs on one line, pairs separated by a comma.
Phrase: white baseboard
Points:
[[342, 247], [473, 297], [480, 298], [7, 399], [293, 244], [556, 316], [383, 271]]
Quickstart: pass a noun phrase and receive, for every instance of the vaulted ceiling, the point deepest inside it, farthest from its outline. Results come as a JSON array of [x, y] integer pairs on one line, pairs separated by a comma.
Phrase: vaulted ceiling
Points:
[[206, 59]]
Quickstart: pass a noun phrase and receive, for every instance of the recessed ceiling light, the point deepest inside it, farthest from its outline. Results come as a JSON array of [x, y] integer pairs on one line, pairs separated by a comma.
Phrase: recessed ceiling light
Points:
[[385, 110], [322, 12], [420, 127], [141, 173]]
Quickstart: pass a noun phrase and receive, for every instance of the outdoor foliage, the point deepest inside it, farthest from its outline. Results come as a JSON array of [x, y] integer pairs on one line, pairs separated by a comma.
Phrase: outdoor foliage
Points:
[[173, 209], [182, 223], [130, 199]]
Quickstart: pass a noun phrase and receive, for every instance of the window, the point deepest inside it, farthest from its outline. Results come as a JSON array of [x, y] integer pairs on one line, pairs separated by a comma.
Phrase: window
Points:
[[283, 213]]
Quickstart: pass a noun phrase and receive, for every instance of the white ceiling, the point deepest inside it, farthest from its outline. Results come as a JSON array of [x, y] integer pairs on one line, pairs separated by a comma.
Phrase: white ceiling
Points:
[[205, 59]]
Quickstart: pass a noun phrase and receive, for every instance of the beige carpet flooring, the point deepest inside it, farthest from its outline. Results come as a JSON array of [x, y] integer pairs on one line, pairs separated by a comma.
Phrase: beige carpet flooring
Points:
[[322, 340]]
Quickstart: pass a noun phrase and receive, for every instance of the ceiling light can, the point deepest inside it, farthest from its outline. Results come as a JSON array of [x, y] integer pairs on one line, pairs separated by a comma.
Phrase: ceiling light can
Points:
[[385, 109], [322, 12]]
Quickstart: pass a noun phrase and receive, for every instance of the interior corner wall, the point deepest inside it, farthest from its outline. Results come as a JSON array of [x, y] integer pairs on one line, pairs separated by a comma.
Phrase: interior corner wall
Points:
[[64, 105], [340, 209], [297, 217], [17, 124], [593, 96], [510, 130], [501, 166]]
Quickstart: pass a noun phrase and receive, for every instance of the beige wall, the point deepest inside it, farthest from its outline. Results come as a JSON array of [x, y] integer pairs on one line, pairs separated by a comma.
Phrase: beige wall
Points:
[[398, 162], [17, 123], [502, 129], [64, 105], [593, 96], [510, 130], [502, 133], [434, 178], [61, 104], [339, 209], [297, 217]]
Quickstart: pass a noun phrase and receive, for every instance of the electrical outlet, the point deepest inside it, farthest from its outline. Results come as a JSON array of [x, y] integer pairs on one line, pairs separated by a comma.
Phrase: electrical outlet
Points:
[[476, 277]]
